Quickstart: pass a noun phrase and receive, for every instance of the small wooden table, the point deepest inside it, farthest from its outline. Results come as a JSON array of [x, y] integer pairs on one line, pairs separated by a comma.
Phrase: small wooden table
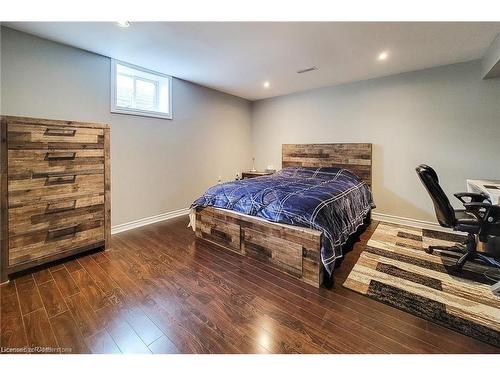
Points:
[[252, 174]]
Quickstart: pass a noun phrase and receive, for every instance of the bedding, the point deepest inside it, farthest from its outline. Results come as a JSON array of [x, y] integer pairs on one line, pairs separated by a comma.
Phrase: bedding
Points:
[[332, 200]]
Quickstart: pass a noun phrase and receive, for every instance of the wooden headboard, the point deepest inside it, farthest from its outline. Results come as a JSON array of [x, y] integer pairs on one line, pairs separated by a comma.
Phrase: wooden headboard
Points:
[[357, 157]]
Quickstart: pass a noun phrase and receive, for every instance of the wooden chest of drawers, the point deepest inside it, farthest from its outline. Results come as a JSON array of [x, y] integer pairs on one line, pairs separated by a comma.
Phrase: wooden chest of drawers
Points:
[[55, 190]]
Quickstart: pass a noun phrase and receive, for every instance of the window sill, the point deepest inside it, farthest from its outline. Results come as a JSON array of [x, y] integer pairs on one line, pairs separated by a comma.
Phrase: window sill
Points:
[[165, 116]]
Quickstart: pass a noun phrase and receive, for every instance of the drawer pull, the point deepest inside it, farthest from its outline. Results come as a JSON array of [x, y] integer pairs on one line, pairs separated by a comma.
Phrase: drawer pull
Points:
[[53, 208], [54, 234], [61, 179], [58, 132], [60, 156]]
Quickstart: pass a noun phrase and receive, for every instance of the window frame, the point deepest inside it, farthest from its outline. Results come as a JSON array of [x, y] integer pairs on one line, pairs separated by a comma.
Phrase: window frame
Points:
[[135, 111]]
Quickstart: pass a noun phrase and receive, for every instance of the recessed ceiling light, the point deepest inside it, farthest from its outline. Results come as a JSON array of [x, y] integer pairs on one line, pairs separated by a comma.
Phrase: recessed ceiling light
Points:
[[123, 23], [266, 84], [383, 56]]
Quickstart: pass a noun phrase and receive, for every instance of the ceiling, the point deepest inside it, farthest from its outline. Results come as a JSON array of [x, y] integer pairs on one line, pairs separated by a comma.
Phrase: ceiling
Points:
[[237, 57]]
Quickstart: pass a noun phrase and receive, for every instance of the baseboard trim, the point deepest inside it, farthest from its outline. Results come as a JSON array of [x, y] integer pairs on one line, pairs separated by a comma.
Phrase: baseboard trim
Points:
[[185, 211], [148, 220], [422, 224]]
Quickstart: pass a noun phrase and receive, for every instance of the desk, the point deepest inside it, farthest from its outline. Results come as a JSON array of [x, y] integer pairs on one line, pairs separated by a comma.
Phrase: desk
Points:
[[492, 189], [489, 187]]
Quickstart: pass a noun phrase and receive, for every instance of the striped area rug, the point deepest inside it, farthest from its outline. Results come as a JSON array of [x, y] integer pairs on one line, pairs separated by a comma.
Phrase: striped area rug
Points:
[[394, 269]]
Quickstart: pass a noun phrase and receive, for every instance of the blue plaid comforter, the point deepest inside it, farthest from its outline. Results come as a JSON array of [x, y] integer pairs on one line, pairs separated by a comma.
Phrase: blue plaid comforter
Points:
[[332, 200]]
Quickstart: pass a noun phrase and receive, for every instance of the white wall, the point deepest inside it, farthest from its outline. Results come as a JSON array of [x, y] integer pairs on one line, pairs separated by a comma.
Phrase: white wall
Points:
[[157, 165], [446, 117]]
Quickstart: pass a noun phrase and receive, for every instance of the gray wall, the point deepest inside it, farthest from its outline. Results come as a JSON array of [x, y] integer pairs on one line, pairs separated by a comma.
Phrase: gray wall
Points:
[[157, 165], [446, 117], [491, 60]]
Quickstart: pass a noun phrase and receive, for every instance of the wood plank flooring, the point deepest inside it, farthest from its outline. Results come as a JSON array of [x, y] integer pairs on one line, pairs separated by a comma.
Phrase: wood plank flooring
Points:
[[157, 290]]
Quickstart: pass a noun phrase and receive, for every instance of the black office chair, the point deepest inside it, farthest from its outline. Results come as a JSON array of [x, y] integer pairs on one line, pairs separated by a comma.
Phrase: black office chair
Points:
[[479, 218]]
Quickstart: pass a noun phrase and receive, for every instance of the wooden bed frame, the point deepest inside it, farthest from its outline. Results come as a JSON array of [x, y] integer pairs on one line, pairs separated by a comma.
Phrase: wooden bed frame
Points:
[[290, 249]]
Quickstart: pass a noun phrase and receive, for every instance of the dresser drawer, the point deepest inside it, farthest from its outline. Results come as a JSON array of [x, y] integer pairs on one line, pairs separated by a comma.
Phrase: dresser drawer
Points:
[[61, 213], [23, 135], [54, 187], [27, 164], [57, 239]]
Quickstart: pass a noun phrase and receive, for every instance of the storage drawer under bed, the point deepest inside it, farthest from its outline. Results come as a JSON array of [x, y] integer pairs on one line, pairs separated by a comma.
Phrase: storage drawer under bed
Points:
[[293, 250]]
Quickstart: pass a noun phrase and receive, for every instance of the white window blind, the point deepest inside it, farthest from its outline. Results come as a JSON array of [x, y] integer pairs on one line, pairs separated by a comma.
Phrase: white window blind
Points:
[[138, 91]]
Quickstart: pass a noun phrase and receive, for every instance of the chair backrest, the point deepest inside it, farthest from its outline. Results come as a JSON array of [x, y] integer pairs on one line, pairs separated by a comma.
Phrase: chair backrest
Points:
[[444, 211]]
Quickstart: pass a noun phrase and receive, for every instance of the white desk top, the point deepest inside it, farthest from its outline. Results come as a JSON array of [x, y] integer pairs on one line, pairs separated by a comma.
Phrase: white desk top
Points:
[[488, 187]]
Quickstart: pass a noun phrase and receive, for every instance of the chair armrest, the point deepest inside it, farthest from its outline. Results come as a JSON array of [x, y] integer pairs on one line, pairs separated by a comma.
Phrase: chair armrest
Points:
[[490, 214], [474, 197], [477, 205], [475, 209]]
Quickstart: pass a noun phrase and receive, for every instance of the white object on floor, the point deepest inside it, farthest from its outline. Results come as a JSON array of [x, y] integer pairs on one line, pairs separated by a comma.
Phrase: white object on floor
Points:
[[496, 289], [489, 187], [192, 219]]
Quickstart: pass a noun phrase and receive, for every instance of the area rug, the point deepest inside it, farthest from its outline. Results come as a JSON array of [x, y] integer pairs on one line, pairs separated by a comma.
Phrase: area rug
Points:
[[394, 269]]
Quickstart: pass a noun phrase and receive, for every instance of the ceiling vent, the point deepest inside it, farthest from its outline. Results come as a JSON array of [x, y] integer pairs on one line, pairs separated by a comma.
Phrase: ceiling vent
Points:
[[307, 70]]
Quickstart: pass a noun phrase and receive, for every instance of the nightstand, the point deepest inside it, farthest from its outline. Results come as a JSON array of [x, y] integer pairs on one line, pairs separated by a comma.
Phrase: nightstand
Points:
[[250, 174]]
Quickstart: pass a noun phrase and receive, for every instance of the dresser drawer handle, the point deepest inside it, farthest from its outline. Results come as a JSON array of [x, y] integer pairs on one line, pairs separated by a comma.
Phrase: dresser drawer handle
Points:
[[60, 156], [53, 208], [58, 132], [62, 232], [61, 179]]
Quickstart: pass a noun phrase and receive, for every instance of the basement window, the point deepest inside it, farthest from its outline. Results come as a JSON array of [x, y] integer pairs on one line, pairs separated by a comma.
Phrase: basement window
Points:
[[141, 92]]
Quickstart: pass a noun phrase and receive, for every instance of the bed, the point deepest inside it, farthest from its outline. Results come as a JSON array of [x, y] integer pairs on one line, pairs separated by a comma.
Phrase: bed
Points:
[[298, 220]]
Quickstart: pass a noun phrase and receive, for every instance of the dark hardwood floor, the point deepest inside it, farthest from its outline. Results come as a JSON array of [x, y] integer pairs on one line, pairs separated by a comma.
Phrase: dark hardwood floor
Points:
[[159, 291]]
